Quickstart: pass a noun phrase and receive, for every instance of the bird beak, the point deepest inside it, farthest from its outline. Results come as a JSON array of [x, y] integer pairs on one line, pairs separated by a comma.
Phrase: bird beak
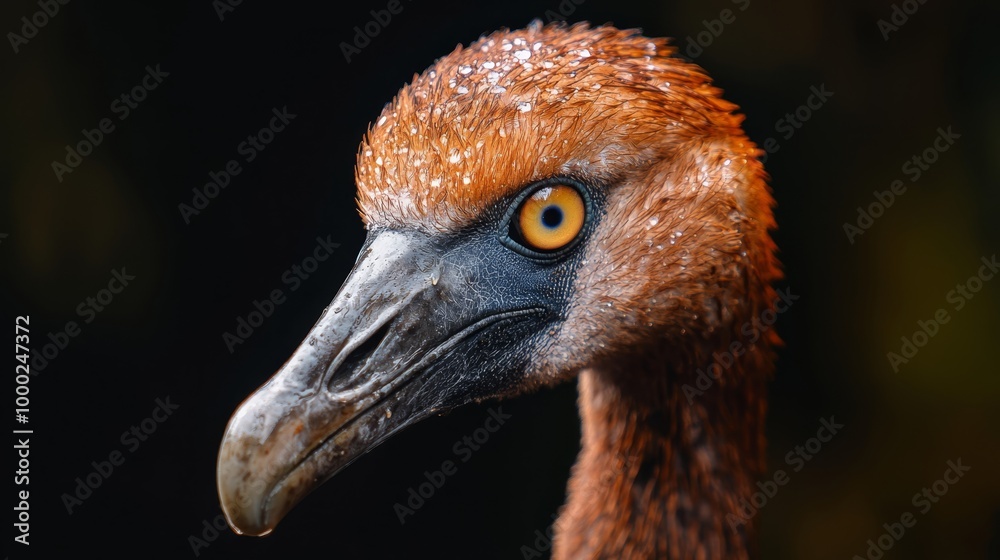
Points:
[[371, 366]]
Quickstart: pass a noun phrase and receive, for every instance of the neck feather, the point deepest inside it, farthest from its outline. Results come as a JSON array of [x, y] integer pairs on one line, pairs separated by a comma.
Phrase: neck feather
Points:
[[665, 462]]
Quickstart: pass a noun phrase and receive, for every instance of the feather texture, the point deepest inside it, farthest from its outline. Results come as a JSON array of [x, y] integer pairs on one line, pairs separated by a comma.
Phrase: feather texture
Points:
[[677, 274]]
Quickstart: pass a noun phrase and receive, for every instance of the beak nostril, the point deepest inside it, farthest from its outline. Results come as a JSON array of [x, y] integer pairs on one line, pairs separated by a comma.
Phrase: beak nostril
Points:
[[343, 377]]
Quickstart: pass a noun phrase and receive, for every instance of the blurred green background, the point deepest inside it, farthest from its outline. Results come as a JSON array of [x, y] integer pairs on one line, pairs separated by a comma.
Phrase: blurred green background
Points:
[[162, 335]]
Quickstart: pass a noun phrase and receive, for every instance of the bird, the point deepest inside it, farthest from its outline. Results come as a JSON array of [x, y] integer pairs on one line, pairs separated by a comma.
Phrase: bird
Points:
[[557, 202]]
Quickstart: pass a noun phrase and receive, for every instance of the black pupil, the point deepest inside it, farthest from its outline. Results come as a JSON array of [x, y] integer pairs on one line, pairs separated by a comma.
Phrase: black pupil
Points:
[[552, 217]]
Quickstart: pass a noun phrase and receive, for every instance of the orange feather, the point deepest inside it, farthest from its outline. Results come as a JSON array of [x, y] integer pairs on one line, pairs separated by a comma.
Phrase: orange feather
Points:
[[681, 263]]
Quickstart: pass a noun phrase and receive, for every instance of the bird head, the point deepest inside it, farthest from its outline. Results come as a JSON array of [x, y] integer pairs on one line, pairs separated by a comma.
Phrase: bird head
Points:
[[541, 201]]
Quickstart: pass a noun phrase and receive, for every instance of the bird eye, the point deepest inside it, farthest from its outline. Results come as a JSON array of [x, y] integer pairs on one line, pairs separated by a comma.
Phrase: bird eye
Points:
[[551, 218]]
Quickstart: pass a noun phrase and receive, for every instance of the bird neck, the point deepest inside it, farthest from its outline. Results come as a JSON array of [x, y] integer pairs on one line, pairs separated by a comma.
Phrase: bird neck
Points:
[[665, 461]]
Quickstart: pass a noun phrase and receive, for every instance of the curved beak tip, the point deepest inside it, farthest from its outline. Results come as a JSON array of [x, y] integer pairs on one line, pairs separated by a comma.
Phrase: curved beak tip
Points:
[[245, 521], [243, 493], [364, 372], [257, 531], [259, 475]]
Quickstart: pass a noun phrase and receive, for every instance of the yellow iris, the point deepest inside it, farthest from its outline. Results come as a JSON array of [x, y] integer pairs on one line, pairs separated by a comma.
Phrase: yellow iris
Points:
[[552, 217]]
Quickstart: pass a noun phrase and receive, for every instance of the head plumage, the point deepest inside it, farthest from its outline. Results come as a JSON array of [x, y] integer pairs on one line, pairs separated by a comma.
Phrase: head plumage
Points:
[[518, 106]]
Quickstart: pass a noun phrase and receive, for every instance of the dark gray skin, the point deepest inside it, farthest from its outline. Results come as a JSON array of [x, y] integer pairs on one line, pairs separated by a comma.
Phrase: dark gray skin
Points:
[[424, 323]]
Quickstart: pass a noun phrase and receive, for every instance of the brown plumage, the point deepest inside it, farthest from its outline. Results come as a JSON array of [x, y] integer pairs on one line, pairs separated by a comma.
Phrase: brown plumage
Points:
[[674, 273], [685, 262]]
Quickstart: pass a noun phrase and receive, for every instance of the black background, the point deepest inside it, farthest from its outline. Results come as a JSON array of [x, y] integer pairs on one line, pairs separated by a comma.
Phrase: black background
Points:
[[163, 335]]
